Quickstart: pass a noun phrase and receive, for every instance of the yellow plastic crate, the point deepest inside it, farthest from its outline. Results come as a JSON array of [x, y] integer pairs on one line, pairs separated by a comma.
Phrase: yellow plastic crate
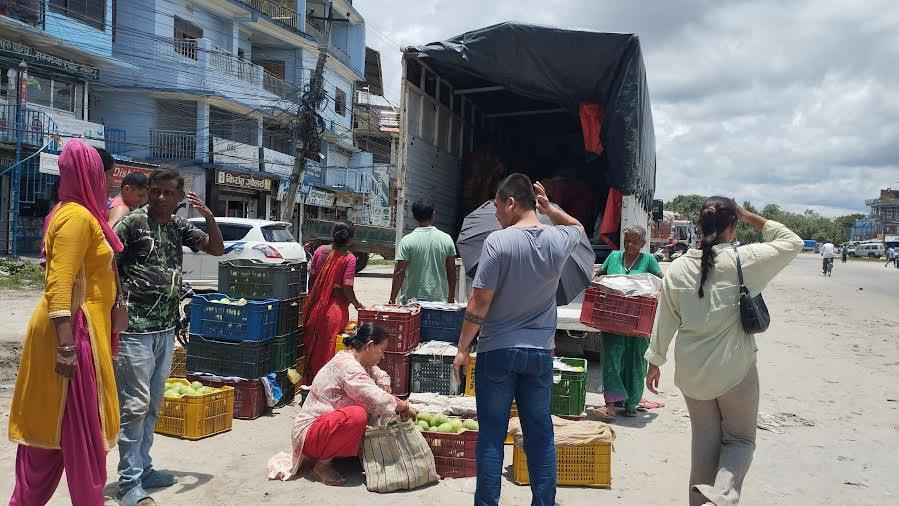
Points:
[[581, 465], [197, 416], [301, 369], [179, 362], [512, 414], [469, 375]]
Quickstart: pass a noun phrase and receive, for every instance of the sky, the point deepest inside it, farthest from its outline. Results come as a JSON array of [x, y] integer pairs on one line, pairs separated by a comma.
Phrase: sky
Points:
[[794, 103]]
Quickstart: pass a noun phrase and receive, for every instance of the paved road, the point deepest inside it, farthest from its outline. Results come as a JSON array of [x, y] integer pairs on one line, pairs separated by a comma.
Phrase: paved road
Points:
[[853, 275]]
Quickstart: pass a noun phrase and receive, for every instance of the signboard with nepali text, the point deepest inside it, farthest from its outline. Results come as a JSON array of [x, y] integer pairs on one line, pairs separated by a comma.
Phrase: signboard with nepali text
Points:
[[243, 181]]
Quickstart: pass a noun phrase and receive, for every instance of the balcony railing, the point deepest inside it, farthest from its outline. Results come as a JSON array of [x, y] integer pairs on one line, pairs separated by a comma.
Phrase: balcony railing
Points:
[[314, 31], [115, 141], [280, 13], [186, 47], [30, 12], [173, 144], [227, 63], [39, 126]]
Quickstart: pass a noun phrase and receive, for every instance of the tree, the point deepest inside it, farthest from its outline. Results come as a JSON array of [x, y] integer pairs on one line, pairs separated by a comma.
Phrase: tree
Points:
[[687, 205], [746, 233]]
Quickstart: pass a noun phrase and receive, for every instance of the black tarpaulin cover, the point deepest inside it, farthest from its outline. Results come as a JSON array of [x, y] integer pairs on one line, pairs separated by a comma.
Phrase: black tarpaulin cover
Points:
[[565, 67]]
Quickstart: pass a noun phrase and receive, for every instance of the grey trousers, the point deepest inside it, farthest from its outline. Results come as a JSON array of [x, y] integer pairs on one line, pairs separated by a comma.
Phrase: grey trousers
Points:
[[723, 441]]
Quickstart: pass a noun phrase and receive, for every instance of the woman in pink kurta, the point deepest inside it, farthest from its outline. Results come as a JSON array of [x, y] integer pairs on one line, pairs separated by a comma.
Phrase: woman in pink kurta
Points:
[[347, 394]]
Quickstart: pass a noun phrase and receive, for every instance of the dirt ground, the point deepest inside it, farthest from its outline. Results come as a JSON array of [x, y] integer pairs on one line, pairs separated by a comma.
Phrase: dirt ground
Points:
[[830, 412]]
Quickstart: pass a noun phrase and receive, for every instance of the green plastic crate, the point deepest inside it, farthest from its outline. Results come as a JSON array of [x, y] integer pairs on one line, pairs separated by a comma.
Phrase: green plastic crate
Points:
[[284, 351], [570, 394]]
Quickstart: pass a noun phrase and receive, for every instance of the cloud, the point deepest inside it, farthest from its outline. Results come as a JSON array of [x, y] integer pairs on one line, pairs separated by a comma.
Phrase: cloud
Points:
[[791, 103]]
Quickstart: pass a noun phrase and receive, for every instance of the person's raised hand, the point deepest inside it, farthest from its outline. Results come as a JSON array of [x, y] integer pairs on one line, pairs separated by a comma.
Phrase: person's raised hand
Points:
[[199, 205], [543, 204]]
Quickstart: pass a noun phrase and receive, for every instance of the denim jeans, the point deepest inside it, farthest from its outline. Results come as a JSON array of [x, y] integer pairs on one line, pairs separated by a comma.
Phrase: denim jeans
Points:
[[526, 375], [143, 365]]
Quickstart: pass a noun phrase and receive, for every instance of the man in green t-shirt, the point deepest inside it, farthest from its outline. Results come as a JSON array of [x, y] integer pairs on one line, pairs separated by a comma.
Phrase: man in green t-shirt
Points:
[[426, 261]]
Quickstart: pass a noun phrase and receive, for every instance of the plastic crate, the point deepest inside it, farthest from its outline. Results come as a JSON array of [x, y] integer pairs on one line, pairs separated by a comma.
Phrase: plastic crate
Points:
[[570, 393], [441, 324], [288, 390], [581, 465], [513, 413], [289, 311], [249, 395], [433, 373], [402, 327], [454, 454], [469, 375], [284, 351], [249, 359], [301, 370], [253, 321], [255, 279], [196, 416], [179, 362], [396, 365], [338, 344], [619, 314]]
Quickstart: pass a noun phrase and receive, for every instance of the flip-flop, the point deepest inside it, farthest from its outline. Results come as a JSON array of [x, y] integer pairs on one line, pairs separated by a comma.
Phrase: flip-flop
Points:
[[137, 496], [158, 479], [648, 404], [630, 413]]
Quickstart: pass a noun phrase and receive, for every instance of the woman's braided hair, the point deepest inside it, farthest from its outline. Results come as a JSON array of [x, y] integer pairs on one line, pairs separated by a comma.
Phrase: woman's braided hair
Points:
[[717, 214]]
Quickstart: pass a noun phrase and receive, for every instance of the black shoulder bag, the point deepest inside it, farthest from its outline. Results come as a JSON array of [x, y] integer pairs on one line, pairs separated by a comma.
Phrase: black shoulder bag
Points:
[[753, 311]]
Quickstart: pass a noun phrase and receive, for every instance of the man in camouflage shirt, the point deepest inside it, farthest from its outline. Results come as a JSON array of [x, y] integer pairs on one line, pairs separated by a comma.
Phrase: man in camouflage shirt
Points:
[[150, 272]]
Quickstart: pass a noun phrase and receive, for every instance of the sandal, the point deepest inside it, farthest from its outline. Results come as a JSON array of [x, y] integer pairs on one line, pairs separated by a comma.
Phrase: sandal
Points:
[[137, 496], [630, 413]]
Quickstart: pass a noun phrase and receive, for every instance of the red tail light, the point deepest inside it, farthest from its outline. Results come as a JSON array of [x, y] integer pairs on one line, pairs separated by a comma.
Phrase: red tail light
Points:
[[268, 251]]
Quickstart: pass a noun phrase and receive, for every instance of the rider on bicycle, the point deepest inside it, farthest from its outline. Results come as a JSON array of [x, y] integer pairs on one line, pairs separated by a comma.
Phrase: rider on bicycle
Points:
[[827, 251]]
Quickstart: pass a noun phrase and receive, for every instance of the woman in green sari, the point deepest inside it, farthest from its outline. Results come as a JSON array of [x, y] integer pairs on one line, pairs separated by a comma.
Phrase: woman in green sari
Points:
[[623, 366]]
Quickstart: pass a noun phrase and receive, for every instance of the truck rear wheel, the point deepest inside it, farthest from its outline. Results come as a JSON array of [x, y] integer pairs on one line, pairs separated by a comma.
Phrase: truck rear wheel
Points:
[[361, 261]]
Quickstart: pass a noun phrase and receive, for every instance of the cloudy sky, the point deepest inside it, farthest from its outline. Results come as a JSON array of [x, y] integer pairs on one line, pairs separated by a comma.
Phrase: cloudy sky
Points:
[[794, 103]]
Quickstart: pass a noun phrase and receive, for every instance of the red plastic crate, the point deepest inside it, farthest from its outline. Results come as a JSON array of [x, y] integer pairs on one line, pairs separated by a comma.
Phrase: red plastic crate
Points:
[[403, 327], [249, 395], [630, 316], [454, 454], [396, 365]]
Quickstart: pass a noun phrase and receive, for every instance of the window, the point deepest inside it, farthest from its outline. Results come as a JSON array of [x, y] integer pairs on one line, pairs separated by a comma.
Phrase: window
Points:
[[89, 12], [39, 90], [339, 102], [234, 232], [186, 36], [60, 95], [275, 233]]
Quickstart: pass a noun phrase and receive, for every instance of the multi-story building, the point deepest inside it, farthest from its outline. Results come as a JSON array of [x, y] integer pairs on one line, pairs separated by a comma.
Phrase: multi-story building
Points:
[[884, 212], [64, 46], [216, 88]]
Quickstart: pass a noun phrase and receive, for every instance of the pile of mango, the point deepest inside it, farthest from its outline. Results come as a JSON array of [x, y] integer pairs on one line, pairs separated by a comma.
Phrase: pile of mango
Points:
[[175, 389], [428, 422]]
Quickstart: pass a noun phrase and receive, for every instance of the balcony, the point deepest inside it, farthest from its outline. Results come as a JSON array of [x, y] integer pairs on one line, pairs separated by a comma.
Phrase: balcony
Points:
[[311, 29], [115, 141], [30, 12], [39, 127], [277, 12], [173, 145], [339, 53]]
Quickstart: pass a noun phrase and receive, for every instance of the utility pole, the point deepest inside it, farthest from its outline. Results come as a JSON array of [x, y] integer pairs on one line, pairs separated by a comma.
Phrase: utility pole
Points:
[[307, 131], [21, 101]]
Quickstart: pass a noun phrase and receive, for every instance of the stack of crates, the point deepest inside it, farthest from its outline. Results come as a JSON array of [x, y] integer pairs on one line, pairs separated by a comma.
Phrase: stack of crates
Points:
[[253, 331], [403, 325]]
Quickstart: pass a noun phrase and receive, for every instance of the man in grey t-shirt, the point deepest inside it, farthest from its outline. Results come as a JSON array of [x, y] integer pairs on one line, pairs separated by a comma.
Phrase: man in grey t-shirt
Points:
[[513, 304]]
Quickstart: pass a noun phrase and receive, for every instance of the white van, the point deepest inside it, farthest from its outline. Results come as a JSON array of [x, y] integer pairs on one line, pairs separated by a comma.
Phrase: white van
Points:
[[870, 250]]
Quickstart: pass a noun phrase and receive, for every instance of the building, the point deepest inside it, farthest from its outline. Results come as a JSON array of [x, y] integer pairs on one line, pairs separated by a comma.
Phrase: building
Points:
[[217, 87], [884, 213], [376, 129], [863, 230], [65, 46]]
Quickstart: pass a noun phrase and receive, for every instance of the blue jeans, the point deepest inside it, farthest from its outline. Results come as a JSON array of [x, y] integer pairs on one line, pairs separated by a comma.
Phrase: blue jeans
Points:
[[526, 375], [143, 365]]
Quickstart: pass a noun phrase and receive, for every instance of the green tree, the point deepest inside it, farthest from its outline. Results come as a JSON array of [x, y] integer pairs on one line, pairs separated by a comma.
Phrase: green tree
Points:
[[687, 205], [746, 233]]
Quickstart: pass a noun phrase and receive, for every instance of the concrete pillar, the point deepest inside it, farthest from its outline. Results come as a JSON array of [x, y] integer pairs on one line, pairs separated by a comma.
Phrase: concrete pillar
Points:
[[203, 130], [235, 36]]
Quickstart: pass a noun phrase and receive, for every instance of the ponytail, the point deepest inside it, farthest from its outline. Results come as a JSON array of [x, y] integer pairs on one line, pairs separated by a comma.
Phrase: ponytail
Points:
[[717, 214]]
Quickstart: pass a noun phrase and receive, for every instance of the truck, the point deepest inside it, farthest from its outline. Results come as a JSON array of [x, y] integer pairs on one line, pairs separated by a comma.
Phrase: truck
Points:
[[543, 101], [368, 240], [673, 234]]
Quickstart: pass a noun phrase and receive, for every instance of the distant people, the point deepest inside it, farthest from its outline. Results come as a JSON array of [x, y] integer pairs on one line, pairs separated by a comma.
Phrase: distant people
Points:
[[65, 412], [891, 256], [624, 368], [425, 260], [332, 274], [827, 252], [133, 194], [513, 305], [715, 358], [845, 253]]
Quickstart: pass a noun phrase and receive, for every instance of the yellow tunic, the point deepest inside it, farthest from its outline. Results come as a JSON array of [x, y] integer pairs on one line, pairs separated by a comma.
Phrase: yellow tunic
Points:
[[79, 274]]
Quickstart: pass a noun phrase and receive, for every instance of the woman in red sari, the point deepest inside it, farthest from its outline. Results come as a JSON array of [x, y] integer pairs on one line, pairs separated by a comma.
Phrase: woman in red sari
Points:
[[331, 274]]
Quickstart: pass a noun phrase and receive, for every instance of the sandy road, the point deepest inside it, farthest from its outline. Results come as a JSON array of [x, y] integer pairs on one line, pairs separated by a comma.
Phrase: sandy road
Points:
[[828, 369]]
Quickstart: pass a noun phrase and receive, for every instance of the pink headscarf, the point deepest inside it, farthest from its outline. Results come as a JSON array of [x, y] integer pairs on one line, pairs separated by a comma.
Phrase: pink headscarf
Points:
[[82, 181]]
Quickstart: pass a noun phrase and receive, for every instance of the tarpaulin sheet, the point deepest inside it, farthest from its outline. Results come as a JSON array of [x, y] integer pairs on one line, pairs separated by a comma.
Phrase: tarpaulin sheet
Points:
[[565, 67]]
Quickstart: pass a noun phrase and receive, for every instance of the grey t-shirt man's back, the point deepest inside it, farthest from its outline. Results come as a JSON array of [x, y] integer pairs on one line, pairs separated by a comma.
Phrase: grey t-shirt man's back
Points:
[[523, 266]]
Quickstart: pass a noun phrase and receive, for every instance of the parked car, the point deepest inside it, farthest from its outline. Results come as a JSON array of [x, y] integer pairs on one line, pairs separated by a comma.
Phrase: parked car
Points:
[[268, 241], [870, 250]]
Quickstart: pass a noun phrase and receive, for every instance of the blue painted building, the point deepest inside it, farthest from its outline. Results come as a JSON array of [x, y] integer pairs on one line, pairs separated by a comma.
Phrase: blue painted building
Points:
[[216, 83], [66, 45]]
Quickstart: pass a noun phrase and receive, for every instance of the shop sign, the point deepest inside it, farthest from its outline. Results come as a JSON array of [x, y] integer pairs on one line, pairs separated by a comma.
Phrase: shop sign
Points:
[[345, 199], [380, 216], [320, 198], [28, 54], [243, 181], [123, 170], [49, 164]]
